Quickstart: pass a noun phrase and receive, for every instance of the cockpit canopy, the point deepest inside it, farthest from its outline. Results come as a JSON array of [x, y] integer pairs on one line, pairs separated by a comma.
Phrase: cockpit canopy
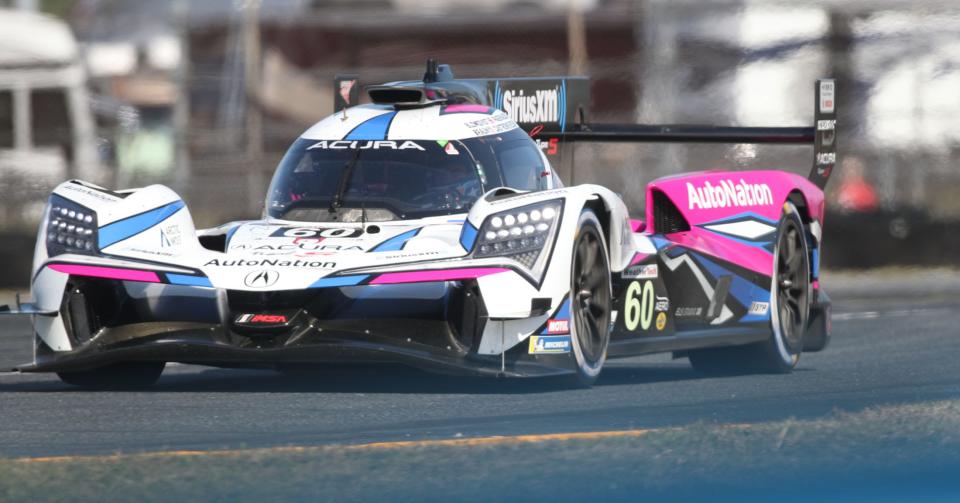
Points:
[[383, 180]]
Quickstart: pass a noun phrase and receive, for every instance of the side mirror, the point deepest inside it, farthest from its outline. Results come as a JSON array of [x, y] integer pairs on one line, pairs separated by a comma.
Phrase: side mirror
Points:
[[638, 225]]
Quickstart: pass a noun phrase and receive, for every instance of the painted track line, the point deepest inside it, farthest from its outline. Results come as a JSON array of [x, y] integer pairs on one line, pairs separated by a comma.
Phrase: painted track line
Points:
[[373, 446], [867, 315]]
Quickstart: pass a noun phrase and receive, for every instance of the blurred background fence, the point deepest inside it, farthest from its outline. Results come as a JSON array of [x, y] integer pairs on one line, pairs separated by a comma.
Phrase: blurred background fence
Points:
[[206, 96]]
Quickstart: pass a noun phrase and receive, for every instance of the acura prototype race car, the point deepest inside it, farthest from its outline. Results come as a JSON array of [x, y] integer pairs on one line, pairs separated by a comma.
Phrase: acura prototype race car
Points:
[[430, 228]]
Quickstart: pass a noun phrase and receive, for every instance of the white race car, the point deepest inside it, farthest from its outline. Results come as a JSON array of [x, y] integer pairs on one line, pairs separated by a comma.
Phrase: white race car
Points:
[[428, 228]]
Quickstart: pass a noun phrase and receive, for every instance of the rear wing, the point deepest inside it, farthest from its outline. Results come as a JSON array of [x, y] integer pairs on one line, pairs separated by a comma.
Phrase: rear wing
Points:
[[822, 135], [553, 110]]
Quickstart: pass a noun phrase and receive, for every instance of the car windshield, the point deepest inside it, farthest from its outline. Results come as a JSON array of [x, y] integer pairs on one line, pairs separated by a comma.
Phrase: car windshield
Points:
[[383, 180]]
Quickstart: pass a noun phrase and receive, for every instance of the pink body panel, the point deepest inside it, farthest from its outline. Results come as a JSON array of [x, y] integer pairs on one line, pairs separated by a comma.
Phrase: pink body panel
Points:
[[715, 196], [750, 257], [106, 272], [439, 275]]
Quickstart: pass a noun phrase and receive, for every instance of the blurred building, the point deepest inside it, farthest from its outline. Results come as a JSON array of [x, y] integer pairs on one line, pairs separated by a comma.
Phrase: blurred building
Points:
[[206, 95]]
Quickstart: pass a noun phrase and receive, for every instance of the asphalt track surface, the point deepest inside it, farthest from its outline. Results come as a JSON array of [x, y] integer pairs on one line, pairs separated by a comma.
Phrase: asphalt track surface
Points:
[[897, 340]]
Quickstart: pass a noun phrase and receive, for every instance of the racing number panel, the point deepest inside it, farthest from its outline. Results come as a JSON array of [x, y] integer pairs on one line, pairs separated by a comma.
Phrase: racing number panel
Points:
[[642, 301], [681, 289]]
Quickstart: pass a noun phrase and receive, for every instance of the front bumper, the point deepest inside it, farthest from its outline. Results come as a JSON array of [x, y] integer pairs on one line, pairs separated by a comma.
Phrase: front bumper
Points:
[[326, 326]]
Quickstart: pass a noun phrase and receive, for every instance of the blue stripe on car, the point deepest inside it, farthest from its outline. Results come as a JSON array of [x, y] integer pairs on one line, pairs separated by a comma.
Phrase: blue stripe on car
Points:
[[744, 291], [395, 243], [339, 281], [183, 279], [372, 129], [816, 263], [468, 236], [563, 105], [230, 234], [131, 226]]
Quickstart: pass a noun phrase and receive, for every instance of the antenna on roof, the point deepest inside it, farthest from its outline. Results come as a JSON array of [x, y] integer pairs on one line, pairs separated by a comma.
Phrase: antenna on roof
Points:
[[432, 73], [437, 72]]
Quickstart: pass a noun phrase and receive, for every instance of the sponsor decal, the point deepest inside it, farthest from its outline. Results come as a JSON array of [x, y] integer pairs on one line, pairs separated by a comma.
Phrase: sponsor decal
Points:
[[661, 321], [687, 312], [384, 258], [366, 145], [827, 97], [306, 246], [824, 158], [826, 125], [317, 233], [529, 107], [648, 271], [96, 194], [550, 146], [494, 124], [346, 86], [759, 308], [662, 304], [448, 147], [148, 252], [262, 319], [261, 279], [270, 262], [558, 326], [728, 194], [541, 194], [546, 344], [170, 236]]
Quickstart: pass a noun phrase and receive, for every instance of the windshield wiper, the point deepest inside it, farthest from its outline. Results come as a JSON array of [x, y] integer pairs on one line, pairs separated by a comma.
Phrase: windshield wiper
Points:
[[343, 183]]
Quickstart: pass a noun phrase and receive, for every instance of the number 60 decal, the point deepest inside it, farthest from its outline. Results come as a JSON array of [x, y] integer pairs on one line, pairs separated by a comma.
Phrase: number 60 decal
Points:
[[639, 306]]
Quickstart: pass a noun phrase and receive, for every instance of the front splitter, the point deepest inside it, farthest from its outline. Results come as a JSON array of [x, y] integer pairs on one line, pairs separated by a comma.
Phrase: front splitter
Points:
[[199, 345]]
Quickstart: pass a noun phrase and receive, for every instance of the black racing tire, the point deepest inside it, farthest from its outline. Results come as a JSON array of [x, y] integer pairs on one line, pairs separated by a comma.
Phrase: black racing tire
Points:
[[591, 297], [117, 376], [789, 311]]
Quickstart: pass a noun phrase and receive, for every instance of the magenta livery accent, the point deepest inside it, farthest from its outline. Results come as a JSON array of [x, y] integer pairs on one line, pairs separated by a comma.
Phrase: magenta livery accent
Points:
[[639, 257], [750, 257], [467, 108], [711, 196], [439, 275], [106, 272]]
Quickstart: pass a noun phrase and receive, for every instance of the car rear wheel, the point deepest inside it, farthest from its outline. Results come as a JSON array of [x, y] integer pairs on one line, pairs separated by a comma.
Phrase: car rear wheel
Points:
[[789, 311], [117, 376], [590, 300]]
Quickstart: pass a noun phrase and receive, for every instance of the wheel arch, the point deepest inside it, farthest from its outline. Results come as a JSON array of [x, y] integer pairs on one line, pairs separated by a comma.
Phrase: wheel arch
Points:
[[602, 210], [799, 201]]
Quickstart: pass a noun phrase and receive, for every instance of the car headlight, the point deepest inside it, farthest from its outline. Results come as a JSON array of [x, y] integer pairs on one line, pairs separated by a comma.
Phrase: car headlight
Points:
[[523, 234], [71, 228]]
